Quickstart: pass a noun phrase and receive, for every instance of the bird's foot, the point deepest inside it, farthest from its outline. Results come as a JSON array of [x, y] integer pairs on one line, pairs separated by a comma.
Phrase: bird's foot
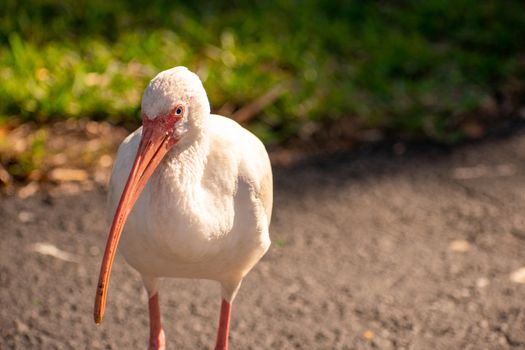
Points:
[[157, 342]]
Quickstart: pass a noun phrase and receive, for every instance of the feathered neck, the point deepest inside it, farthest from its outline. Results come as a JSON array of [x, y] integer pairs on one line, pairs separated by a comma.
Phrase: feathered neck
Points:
[[182, 169]]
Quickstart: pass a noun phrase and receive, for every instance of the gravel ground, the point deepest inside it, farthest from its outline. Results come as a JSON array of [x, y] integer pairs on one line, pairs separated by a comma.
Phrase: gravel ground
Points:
[[370, 251]]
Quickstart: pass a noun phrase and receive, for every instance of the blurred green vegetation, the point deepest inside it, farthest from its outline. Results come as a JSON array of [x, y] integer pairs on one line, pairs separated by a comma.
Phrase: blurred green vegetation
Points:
[[411, 68]]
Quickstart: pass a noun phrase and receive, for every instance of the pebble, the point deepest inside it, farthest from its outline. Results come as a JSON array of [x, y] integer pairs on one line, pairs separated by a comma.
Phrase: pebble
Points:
[[94, 250], [459, 246], [51, 250], [518, 276], [482, 282], [28, 190], [21, 327], [26, 216], [368, 335]]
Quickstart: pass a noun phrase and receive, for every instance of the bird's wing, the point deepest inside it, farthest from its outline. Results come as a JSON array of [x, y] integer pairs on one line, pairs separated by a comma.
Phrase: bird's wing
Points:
[[253, 162]]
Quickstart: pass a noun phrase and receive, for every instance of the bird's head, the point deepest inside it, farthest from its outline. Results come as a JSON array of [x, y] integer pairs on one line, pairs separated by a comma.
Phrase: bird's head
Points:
[[175, 109], [175, 103]]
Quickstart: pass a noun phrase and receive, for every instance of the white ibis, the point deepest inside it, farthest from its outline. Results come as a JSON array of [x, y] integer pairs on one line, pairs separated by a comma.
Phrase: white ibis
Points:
[[197, 201]]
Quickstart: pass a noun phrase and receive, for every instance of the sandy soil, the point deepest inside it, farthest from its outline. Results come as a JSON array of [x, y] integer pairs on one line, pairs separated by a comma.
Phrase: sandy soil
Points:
[[370, 251]]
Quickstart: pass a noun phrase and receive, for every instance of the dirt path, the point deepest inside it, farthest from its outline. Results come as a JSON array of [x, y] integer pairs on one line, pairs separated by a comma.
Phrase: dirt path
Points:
[[370, 252]]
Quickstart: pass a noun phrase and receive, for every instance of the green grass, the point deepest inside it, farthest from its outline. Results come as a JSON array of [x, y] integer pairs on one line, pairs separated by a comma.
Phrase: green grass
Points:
[[412, 68]]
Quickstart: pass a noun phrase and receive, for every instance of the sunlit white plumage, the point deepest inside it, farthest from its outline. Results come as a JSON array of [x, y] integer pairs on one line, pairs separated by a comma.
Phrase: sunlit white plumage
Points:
[[202, 214], [205, 211]]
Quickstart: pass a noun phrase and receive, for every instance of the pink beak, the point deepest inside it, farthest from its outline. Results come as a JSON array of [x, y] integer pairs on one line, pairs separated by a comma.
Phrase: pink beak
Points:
[[155, 143]]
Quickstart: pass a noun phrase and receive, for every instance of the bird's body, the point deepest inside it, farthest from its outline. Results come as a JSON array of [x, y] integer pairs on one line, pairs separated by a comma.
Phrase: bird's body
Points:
[[190, 196], [204, 212]]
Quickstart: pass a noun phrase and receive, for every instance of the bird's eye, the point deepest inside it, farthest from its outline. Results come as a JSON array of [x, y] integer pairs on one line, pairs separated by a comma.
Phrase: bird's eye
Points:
[[178, 111]]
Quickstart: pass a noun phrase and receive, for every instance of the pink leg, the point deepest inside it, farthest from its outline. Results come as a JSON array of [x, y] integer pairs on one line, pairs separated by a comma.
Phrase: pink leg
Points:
[[224, 326], [157, 341]]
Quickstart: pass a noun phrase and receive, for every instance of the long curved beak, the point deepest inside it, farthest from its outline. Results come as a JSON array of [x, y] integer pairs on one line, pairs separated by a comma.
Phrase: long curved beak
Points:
[[154, 145]]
